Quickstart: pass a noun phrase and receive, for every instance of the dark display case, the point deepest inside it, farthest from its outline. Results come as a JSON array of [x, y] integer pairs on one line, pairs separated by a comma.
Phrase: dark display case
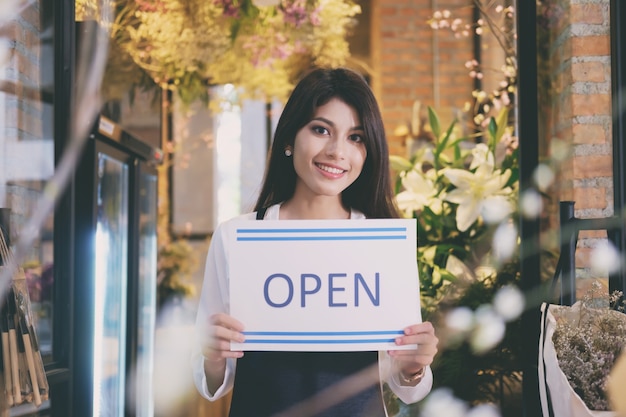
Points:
[[115, 267]]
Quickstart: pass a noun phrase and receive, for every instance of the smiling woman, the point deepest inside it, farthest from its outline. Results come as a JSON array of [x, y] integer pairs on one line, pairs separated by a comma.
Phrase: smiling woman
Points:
[[329, 160]]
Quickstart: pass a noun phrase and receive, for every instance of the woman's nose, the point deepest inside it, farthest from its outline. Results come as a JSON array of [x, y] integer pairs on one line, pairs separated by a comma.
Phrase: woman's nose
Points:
[[335, 147]]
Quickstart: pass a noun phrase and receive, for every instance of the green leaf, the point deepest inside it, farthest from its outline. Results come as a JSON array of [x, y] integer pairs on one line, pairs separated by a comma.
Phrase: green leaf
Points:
[[497, 127], [501, 121], [433, 119], [399, 163], [493, 129], [441, 146]]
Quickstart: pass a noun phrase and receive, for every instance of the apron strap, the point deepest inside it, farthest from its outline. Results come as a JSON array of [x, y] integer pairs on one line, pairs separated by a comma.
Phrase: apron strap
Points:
[[260, 215]]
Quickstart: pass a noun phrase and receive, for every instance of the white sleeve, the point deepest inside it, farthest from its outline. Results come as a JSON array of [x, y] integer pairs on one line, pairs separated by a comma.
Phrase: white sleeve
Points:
[[408, 395], [214, 298]]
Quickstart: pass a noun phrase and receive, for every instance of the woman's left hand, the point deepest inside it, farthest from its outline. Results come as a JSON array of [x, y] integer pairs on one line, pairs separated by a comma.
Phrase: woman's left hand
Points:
[[413, 361]]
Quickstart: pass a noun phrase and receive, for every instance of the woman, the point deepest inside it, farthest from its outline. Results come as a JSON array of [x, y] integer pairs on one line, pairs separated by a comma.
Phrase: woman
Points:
[[329, 160]]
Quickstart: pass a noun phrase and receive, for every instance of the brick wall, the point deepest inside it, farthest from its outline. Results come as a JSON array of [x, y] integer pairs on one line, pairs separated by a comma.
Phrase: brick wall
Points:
[[412, 62], [581, 113]]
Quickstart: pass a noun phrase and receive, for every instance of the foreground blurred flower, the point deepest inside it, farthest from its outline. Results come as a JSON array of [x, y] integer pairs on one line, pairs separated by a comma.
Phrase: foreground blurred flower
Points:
[[489, 329], [442, 402], [509, 302], [606, 259]]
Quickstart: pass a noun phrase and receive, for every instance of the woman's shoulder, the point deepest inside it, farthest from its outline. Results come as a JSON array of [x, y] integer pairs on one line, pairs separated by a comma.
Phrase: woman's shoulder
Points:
[[271, 213], [356, 215], [236, 219]]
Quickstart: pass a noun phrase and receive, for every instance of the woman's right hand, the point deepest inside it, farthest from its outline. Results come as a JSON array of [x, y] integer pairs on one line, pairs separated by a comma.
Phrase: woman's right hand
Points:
[[223, 329]]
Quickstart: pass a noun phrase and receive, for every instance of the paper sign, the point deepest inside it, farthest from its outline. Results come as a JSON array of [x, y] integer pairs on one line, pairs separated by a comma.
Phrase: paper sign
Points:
[[323, 285]]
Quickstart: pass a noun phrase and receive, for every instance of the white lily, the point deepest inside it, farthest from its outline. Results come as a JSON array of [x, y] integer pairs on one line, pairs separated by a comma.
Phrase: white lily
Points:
[[480, 193], [419, 191], [481, 156]]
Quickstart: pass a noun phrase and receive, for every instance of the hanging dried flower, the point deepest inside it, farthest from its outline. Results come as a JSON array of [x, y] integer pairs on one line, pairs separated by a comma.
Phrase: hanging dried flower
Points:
[[261, 46]]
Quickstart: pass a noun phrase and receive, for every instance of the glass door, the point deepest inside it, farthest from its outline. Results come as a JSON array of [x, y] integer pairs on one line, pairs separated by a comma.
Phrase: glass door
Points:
[[146, 297], [111, 277]]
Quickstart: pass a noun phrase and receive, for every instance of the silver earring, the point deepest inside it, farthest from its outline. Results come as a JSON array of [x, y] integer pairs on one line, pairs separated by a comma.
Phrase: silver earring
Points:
[[287, 153]]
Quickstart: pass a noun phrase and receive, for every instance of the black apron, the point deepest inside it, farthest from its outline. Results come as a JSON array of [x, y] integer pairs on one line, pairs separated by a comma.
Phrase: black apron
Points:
[[271, 383]]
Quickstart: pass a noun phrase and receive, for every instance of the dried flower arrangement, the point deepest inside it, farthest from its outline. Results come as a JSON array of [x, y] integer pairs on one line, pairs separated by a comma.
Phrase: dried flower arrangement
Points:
[[261, 46], [589, 337]]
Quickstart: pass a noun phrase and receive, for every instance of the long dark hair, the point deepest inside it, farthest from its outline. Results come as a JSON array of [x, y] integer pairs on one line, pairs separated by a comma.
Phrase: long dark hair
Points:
[[371, 192]]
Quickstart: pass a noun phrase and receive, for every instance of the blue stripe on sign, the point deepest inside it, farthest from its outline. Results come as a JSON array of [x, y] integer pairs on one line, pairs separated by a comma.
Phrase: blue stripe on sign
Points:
[[293, 238], [318, 341], [362, 333], [329, 230]]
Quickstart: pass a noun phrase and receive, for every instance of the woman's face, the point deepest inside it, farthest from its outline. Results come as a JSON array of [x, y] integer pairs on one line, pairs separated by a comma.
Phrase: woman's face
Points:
[[329, 151]]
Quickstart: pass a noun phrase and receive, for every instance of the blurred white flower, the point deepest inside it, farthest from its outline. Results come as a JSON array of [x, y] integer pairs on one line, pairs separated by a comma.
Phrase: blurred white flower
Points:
[[171, 359], [441, 402], [544, 176], [460, 320], [489, 329], [509, 302], [605, 259], [497, 210], [484, 410], [505, 241], [532, 204], [560, 150], [476, 191]]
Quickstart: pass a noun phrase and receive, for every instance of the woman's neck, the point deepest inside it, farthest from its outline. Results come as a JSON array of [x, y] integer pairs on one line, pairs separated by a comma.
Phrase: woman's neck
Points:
[[318, 208]]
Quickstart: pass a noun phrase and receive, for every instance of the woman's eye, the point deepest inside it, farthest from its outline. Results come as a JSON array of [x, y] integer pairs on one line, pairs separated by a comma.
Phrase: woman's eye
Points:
[[320, 130], [356, 138]]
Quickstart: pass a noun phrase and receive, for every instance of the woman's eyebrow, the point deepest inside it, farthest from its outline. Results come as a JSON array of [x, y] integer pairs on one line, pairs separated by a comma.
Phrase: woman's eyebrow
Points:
[[332, 124]]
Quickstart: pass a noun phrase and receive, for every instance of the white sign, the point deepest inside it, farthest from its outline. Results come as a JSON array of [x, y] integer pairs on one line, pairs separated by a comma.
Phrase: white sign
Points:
[[323, 285]]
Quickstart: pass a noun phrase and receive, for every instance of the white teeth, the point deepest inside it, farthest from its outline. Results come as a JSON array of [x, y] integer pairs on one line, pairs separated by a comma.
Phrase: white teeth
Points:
[[330, 169]]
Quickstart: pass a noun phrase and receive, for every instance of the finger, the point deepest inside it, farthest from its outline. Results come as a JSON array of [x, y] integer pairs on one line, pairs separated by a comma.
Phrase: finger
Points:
[[220, 350], [424, 341], [225, 320], [425, 327], [223, 333]]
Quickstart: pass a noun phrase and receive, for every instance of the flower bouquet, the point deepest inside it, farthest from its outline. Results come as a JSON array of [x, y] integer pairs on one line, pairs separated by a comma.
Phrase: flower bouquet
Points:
[[462, 189], [462, 194]]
